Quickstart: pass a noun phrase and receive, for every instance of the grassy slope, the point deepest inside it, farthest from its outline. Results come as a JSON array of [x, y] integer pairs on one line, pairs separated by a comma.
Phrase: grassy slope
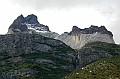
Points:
[[105, 68]]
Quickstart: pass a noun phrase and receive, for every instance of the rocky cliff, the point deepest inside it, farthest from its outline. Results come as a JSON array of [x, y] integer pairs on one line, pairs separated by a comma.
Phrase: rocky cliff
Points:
[[32, 56], [31, 25], [77, 38]]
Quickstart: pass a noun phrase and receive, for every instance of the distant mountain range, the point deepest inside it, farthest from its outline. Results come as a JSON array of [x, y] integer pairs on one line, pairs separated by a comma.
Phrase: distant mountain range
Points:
[[76, 39]]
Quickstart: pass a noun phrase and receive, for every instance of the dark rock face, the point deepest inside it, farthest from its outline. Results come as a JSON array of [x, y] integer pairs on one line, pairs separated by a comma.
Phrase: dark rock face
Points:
[[21, 23], [27, 43], [30, 25], [31, 19], [20, 19], [90, 30]]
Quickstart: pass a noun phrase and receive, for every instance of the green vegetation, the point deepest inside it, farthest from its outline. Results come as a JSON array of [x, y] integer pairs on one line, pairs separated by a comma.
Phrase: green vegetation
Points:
[[105, 68], [63, 49], [113, 49], [101, 47], [47, 56], [49, 68]]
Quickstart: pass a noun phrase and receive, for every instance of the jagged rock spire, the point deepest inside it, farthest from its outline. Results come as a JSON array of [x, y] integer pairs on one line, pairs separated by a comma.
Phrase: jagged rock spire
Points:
[[31, 19], [28, 24], [19, 24]]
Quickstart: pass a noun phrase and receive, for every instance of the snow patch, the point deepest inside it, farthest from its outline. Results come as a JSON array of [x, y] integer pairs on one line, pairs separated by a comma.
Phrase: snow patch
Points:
[[36, 28]]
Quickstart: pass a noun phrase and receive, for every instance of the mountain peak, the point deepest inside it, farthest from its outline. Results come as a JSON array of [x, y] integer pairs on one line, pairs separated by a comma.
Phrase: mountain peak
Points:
[[21, 15], [18, 24], [29, 24], [31, 19], [75, 28], [77, 38], [20, 19], [21, 23]]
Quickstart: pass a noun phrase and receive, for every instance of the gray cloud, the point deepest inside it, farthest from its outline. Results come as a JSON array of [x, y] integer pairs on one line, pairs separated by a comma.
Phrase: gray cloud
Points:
[[42, 4], [106, 7]]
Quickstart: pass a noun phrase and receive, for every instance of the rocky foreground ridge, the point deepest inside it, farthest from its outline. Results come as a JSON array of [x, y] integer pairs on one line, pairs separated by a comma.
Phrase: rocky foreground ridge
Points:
[[32, 56]]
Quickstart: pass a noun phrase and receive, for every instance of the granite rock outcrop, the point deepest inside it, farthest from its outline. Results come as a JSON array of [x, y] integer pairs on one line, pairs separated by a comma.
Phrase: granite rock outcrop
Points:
[[77, 38]]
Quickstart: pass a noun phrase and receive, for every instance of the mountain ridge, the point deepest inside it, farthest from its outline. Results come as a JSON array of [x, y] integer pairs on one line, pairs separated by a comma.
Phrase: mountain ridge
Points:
[[76, 38]]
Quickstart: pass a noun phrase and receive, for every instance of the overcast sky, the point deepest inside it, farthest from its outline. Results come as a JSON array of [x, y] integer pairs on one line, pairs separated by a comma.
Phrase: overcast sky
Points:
[[61, 15]]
